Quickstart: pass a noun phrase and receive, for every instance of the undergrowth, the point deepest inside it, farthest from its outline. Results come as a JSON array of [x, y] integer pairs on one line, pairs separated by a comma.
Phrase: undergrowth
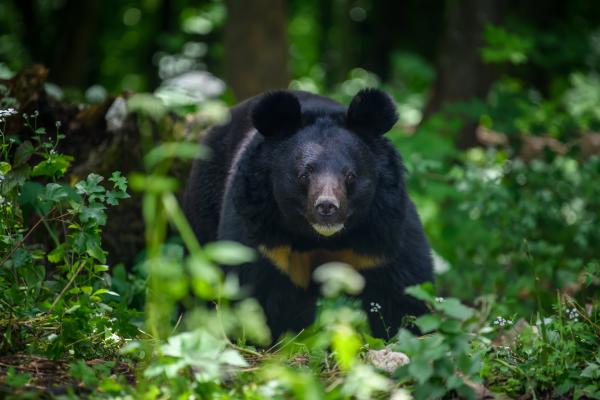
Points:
[[521, 251]]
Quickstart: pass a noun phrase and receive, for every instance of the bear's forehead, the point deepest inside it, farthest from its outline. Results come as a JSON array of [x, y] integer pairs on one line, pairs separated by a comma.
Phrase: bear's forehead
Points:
[[311, 149], [324, 148], [320, 137]]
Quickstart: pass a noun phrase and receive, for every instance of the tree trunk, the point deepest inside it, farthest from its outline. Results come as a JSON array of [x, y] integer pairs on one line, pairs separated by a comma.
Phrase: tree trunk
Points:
[[461, 75], [342, 54], [77, 43], [256, 46]]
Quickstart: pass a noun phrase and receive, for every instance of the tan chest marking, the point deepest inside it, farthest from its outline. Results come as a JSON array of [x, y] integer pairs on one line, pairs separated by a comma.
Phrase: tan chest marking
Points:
[[298, 265]]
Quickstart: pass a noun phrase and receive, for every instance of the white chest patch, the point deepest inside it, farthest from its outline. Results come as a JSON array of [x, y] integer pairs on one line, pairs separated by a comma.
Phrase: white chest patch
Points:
[[327, 230]]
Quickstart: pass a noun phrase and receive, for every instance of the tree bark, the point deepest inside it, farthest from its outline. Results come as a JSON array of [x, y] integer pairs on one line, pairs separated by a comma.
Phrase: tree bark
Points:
[[76, 43], [461, 74], [256, 48]]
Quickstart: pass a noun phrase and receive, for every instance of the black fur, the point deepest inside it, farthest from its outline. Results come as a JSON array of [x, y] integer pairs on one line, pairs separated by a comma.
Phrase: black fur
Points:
[[265, 205], [372, 112], [277, 113]]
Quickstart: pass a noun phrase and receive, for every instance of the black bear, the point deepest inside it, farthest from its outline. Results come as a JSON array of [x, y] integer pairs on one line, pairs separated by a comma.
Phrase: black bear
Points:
[[305, 180]]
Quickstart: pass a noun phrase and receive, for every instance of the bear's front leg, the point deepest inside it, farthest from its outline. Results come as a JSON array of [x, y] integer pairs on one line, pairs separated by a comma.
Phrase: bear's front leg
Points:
[[287, 307]]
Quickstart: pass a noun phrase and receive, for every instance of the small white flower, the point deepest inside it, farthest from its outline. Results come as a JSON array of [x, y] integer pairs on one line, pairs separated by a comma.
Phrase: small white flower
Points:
[[502, 322], [8, 112], [57, 124], [439, 299], [375, 307], [573, 314], [114, 338]]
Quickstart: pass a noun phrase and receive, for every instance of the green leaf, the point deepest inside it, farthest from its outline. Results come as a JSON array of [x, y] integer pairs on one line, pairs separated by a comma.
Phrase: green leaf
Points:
[[591, 371], [466, 392], [56, 193], [229, 253], [24, 152], [101, 268], [453, 382], [31, 195], [105, 291], [421, 370], [374, 343], [15, 178], [454, 309], [55, 165], [56, 255], [119, 182], [428, 323], [451, 326], [91, 187], [180, 150], [72, 309], [94, 248], [430, 390], [148, 105], [408, 343], [423, 292], [113, 197], [233, 358], [21, 257], [153, 183], [4, 167], [336, 278], [346, 344], [93, 213]]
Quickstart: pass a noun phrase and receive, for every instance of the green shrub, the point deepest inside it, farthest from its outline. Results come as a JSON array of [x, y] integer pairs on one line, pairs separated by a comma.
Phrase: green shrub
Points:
[[55, 296]]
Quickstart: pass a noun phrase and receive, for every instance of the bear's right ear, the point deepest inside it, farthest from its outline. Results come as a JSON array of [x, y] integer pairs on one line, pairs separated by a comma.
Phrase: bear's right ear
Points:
[[277, 114]]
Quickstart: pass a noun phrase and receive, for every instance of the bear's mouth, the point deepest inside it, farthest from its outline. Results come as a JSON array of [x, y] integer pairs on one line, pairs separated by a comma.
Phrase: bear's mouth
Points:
[[327, 229]]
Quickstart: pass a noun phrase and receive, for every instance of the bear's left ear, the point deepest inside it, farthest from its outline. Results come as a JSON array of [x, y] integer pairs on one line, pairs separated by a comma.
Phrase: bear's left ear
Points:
[[277, 114], [371, 112]]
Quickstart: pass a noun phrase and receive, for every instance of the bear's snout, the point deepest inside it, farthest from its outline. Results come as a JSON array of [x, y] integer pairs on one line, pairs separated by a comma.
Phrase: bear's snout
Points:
[[327, 204]]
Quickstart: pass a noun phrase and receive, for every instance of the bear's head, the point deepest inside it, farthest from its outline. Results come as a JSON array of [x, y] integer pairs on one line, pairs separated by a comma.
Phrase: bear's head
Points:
[[322, 164]]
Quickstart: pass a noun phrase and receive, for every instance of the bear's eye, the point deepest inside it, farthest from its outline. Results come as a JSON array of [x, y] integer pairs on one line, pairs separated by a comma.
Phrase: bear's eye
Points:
[[350, 178], [303, 178]]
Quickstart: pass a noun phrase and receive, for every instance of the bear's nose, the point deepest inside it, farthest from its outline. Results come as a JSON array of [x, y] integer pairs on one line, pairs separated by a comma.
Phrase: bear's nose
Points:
[[327, 206]]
